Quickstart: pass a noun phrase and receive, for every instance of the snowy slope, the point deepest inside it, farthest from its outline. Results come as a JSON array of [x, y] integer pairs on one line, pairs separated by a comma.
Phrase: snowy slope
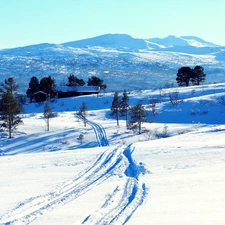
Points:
[[116, 176], [182, 41]]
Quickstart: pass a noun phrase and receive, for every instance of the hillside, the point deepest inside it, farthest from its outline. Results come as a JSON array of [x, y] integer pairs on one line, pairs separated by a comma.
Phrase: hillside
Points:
[[143, 63], [170, 174]]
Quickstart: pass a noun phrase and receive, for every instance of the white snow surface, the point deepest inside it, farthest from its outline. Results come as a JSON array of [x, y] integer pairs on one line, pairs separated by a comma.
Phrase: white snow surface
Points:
[[173, 173]]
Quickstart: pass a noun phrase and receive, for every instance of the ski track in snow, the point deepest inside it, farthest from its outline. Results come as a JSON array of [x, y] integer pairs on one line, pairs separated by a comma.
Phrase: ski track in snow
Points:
[[99, 132], [121, 204], [102, 168], [119, 207], [124, 201]]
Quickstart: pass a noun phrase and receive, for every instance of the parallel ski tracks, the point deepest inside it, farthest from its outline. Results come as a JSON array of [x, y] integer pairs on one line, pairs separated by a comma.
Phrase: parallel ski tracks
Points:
[[118, 207], [99, 132], [102, 169]]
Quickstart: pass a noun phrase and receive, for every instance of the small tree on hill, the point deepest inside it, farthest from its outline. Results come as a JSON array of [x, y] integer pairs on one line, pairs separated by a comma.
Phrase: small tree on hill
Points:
[[152, 105], [198, 76], [115, 108], [138, 115], [83, 112], [81, 138], [47, 113], [9, 111], [124, 106], [10, 85]]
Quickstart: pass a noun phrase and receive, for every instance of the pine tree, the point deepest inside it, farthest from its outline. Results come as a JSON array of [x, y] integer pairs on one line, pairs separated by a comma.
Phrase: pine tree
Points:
[[95, 81], [34, 86], [115, 108], [47, 85], [83, 112], [198, 75], [74, 81], [47, 113], [184, 75], [124, 106], [138, 116], [10, 85], [9, 111]]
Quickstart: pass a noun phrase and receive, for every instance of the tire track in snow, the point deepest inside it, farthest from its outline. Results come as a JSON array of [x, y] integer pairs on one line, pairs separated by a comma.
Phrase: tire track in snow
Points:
[[124, 201], [104, 166]]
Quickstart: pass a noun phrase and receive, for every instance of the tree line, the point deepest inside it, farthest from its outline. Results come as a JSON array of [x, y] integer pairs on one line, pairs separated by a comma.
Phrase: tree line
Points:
[[135, 115], [10, 106], [48, 86], [187, 75]]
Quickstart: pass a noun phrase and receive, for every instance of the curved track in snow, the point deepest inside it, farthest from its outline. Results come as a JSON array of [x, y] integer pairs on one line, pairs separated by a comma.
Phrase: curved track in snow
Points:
[[117, 208], [101, 169], [121, 204], [99, 132]]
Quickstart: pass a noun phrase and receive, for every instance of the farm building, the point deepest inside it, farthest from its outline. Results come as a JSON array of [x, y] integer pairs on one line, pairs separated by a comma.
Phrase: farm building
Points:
[[69, 91], [39, 96]]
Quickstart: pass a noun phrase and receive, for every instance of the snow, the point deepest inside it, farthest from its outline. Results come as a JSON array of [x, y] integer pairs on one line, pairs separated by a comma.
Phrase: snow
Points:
[[115, 176], [172, 40]]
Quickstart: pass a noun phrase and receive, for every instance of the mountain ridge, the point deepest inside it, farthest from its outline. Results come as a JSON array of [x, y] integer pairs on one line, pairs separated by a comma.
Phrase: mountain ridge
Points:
[[127, 41], [119, 59]]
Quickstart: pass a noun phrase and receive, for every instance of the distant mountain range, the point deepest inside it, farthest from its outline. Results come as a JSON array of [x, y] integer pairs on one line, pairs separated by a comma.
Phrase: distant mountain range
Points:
[[124, 41], [119, 59]]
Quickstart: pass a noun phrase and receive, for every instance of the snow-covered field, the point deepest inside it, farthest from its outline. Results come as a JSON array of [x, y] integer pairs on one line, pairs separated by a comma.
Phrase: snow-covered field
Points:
[[115, 176]]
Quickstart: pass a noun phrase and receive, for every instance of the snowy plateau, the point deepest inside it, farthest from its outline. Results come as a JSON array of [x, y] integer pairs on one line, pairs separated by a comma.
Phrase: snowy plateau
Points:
[[173, 173], [144, 63]]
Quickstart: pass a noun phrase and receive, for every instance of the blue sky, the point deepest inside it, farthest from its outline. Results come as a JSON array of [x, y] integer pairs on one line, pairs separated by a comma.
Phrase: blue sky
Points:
[[26, 22]]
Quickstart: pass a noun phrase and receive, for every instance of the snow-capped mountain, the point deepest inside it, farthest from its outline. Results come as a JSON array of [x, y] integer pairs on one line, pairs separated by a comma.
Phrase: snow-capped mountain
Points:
[[115, 41], [124, 41], [127, 61], [172, 41]]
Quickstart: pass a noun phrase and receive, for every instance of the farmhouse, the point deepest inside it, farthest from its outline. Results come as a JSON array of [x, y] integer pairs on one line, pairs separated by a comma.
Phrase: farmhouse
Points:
[[69, 91], [39, 96]]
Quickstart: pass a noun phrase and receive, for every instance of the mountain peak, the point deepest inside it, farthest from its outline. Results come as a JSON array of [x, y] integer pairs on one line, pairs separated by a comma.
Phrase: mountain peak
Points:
[[125, 42], [172, 41], [110, 41]]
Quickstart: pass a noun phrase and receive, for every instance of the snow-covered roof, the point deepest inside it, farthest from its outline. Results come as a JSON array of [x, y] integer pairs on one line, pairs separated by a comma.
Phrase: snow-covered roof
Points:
[[40, 92], [78, 89]]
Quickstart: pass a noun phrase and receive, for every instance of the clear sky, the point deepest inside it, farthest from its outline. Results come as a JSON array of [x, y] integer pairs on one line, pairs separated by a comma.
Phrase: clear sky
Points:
[[26, 22]]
